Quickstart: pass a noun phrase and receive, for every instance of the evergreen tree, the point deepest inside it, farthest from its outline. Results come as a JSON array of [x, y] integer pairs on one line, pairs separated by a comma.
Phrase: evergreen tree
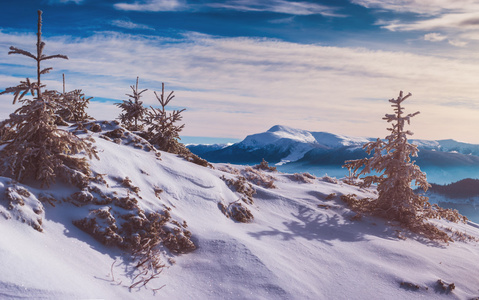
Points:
[[33, 146], [162, 128], [396, 173], [72, 105], [133, 110]]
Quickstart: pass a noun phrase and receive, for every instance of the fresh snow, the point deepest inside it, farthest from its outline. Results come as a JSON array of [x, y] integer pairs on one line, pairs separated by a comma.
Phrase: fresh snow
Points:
[[299, 246]]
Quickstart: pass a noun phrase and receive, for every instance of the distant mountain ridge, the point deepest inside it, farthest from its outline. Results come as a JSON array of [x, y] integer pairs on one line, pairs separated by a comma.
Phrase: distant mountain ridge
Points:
[[465, 188], [286, 145]]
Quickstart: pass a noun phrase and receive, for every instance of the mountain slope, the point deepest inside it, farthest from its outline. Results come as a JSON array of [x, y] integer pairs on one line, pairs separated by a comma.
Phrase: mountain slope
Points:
[[302, 243], [284, 145], [280, 144]]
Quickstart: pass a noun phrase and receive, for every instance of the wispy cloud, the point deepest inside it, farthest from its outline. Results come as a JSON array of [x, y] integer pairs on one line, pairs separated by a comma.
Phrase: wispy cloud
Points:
[[65, 1], [434, 37], [457, 43], [130, 25], [457, 18], [447, 21], [268, 81], [152, 5], [278, 6], [429, 7]]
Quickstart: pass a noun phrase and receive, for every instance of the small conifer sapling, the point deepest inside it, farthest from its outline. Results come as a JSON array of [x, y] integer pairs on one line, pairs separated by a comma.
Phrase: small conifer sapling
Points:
[[72, 106], [133, 110], [162, 128]]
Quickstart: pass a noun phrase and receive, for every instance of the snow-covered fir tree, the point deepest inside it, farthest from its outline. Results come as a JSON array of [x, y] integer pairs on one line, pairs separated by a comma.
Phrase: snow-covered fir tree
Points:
[[72, 105], [133, 109], [395, 176], [33, 145], [163, 129]]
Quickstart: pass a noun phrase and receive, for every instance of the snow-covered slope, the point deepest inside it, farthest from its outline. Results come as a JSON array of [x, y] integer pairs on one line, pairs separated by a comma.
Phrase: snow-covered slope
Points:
[[448, 146], [302, 243]]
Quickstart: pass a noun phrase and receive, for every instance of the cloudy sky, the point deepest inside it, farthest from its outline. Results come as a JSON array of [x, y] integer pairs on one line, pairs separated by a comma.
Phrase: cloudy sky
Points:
[[242, 66]]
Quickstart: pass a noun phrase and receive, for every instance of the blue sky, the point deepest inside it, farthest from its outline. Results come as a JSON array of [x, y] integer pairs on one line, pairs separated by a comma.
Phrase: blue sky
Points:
[[242, 66]]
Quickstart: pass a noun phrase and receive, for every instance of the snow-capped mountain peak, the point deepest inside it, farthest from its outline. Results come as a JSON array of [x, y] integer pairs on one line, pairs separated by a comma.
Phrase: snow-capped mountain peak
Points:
[[277, 133]]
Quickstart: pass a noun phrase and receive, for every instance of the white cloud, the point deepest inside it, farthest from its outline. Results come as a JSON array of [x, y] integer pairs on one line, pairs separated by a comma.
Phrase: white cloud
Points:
[[451, 18], [426, 7], [434, 37], [457, 43], [152, 5], [463, 21], [130, 25], [236, 86], [278, 6], [437, 37]]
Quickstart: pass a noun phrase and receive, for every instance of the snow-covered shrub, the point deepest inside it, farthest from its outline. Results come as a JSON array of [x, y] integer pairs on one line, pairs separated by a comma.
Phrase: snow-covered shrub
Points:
[[33, 144], [302, 177], [264, 166], [101, 224], [445, 287], [16, 202], [133, 109], [118, 220], [396, 172], [129, 184], [258, 177], [329, 179], [229, 169], [330, 196], [242, 186], [236, 211]]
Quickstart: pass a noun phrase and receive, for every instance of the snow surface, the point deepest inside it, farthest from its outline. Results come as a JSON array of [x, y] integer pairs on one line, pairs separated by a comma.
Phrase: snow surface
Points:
[[299, 246]]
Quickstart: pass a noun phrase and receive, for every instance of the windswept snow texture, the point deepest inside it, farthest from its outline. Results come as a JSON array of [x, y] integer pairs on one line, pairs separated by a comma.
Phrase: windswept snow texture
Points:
[[295, 150], [302, 243]]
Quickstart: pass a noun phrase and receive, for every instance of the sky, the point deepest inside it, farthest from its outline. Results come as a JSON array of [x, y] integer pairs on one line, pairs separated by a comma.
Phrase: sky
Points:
[[241, 66]]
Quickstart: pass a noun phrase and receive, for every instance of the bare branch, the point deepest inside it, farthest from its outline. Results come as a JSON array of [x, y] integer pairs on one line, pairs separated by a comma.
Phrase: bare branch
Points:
[[14, 50], [54, 56]]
